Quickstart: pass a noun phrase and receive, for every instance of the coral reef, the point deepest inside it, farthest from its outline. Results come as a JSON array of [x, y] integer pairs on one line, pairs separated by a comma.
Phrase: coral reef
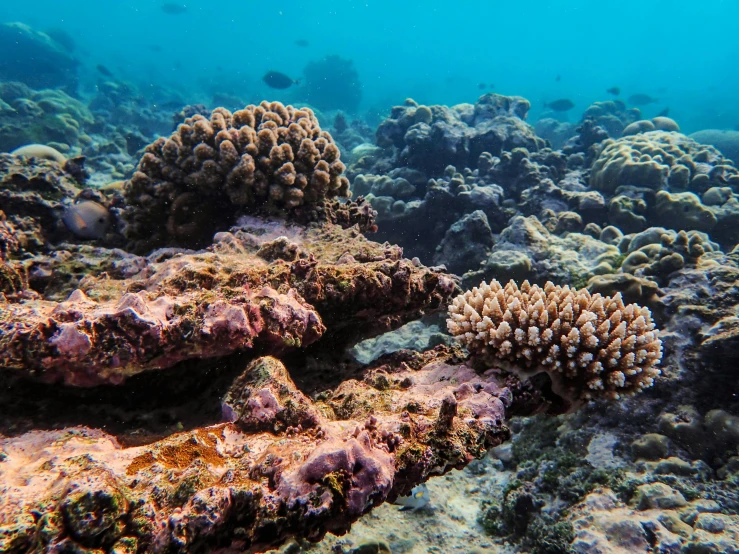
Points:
[[120, 104], [554, 131], [349, 136], [49, 117], [36, 190], [612, 116], [661, 160], [600, 121], [257, 287], [332, 84], [526, 249], [35, 59], [13, 279], [727, 142], [429, 138], [193, 183], [466, 244], [575, 489], [655, 124], [590, 346]]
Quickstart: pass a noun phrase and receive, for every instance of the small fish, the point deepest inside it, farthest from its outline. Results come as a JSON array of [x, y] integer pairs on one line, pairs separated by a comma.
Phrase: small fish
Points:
[[417, 499], [481, 86], [492, 86], [173, 9], [114, 187], [641, 100], [275, 79], [663, 113], [615, 91], [155, 48], [104, 70], [558, 78], [561, 105], [87, 219], [302, 43]]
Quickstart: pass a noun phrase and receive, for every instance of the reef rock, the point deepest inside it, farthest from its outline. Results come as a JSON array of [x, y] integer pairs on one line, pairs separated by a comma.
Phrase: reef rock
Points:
[[255, 286], [35, 58], [282, 465], [194, 183]]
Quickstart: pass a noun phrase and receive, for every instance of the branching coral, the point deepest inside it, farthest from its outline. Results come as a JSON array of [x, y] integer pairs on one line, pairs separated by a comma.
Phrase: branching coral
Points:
[[591, 346], [269, 155]]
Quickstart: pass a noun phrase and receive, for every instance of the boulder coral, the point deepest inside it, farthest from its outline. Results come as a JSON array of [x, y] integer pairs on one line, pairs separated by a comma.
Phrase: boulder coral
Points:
[[191, 184], [49, 117], [589, 345], [661, 160], [429, 138]]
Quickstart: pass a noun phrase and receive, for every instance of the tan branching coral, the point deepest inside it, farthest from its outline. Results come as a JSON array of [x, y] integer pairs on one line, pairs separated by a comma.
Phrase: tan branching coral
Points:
[[268, 155], [591, 346]]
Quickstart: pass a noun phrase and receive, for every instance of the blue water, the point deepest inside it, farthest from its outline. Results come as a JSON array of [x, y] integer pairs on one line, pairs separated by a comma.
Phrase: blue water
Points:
[[682, 52]]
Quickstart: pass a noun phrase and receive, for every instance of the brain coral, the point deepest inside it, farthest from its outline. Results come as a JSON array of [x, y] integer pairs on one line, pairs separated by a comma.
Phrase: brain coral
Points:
[[190, 184], [661, 160], [591, 346]]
